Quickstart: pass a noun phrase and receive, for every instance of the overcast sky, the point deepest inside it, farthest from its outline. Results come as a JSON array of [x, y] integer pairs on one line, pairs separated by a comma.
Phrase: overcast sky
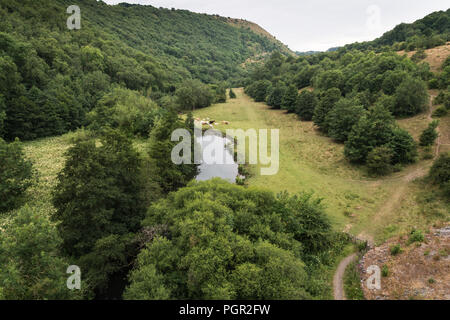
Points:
[[313, 24]]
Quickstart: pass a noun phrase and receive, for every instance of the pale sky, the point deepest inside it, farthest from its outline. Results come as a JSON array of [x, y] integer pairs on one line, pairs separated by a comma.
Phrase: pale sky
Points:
[[313, 24]]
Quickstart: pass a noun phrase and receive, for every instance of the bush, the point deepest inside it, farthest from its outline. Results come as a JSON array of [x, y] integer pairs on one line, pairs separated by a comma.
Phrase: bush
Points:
[[16, 174], [440, 111], [385, 271], [441, 98], [395, 250], [416, 236], [440, 172], [379, 161], [419, 55], [429, 135]]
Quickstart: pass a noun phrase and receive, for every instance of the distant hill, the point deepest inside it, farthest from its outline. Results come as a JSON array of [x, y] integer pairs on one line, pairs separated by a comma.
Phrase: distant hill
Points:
[[206, 47], [429, 32], [51, 77]]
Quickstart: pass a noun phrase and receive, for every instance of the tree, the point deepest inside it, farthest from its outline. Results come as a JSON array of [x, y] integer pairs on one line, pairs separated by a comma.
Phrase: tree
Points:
[[327, 100], [305, 105], [220, 93], [126, 110], [223, 241], [411, 97], [440, 173], [261, 90], [379, 160], [329, 79], [429, 135], [403, 146], [16, 174], [372, 130], [100, 194], [289, 98], [170, 176], [192, 94], [275, 96], [30, 265], [341, 119]]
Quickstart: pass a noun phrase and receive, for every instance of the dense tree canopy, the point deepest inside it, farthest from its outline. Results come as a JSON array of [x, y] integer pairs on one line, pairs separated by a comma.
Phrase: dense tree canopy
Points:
[[51, 77], [30, 265], [100, 199], [221, 241], [16, 174]]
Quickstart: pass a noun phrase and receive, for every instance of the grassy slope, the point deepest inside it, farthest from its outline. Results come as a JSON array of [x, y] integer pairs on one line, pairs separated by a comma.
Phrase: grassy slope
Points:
[[310, 161]]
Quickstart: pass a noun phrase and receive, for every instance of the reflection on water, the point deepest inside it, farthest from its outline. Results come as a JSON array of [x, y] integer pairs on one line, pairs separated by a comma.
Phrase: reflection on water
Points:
[[218, 160]]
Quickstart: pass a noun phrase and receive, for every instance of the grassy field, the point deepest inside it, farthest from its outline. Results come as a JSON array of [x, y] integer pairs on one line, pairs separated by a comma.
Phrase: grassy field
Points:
[[311, 161]]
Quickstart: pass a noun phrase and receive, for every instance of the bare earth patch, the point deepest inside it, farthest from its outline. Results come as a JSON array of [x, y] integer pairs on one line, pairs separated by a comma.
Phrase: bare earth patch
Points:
[[421, 271], [435, 56]]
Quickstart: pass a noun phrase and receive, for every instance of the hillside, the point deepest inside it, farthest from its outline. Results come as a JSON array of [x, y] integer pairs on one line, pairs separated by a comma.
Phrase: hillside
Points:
[[435, 57], [428, 32], [261, 31], [53, 77]]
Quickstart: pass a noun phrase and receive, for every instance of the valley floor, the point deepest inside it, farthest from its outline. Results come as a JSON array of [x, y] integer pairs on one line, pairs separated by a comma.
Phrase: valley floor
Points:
[[372, 209]]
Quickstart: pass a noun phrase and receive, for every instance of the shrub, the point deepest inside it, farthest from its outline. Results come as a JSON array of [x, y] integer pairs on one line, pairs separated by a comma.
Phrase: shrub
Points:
[[440, 111], [433, 83], [419, 55], [379, 160], [429, 135], [440, 98], [440, 171], [385, 271], [395, 250], [16, 174], [416, 236]]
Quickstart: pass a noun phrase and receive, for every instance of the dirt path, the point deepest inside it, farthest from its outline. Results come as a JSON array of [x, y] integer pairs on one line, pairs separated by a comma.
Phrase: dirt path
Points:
[[387, 208], [338, 283]]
